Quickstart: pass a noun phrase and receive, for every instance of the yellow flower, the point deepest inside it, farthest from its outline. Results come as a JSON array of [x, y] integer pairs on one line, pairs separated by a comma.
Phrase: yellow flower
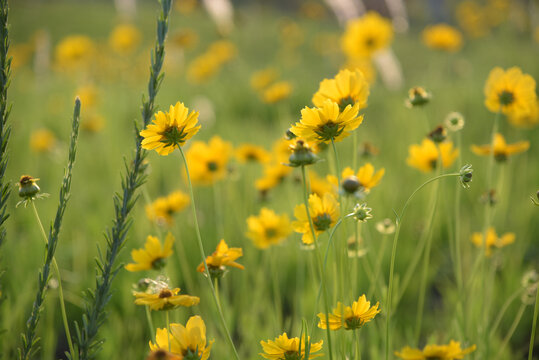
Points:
[[363, 181], [263, 78], [153, 255], [501, 149], [526, 120], [74, 51], [324, 214], [350, 317], [163, 208], [268, 228], [252, 153], [425, 156], [326, 123], [170, 130], [161, 354], [283, 348], [442, 37], [492, 240], [365, 36], [221, 257], [277, 92], [208, 162], [222, 50], [88, 95], [184, 38], [42, 140], [165, 299], [347, 88], [471, 17], [188, 342], [320, 186], [452, 351], [274, 174], [92, 122], [202, 68], [363, 64], [124, 39], [509, 91], [28, 187]]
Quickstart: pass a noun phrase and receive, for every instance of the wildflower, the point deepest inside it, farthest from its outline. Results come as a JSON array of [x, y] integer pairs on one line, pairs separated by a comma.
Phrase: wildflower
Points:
[[165, 299], [510, 92], [347, 88], [385, 227], [452, 351], [425, 156], [124, 39], [92, 123], [492, 239], [188, 342], [465, 176], [526, 119], [42, 140], [222, 50], [170, 130], [163, 208], [277, 92], [417, 96], [454, 121], [268, 228], [27, 187], [208, 161], [472, 18], [350, 317], [221, 257], [74, 51], [161, 354], [88, 95], [283, 348], [302, 154], [367, 35], [184, 38], [362, 213], [324, 213], [152, 256], [263, 78], [438, 135], [252, 153], [202, 68], [358, 183], [501, 149], [320, 186], [327, 123], [442, 37]]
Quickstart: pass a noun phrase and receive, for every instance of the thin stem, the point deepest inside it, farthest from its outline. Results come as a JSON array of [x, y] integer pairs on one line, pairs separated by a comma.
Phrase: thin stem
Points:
[[534, 323], [150, 321], [60, 289], [203, 255], [168, 330], [217, 199], [394, 253], [318, 259], [358, 352], [504, 308], [511, 330]]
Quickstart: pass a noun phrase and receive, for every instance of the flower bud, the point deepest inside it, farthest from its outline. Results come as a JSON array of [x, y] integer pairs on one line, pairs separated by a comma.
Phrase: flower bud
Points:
[[465, 176], [362, 213], [28, 187], [302, 154], [417, 96], [438, 135]]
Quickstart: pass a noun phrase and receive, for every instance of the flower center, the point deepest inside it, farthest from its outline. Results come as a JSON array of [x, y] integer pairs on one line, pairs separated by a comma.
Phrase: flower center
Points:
[[370, 42], [158, 263], [351, 184], [212, 166], [322, 222], [165, 293], [353, 323], [270, 232], [500, 156], [344, 102], [173, 136], [506, 97], [329, 130]]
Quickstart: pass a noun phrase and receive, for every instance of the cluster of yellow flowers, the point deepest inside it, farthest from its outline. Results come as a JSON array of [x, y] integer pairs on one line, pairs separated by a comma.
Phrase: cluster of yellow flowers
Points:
[[270, 90], [205, 66]]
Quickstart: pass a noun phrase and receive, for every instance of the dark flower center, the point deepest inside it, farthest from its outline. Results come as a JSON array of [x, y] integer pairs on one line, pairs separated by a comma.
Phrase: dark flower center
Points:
[[165, 293], [158, 263], [270, 232], [212, 166], [344, 102], [329, 130], [322, 222], [370, 42], [506, 97]]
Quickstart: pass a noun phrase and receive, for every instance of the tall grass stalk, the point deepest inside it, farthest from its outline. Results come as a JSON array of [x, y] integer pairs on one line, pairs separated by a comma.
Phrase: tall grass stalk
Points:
[[394, 253], [87, 342], [29, 339], [203, 255], [534, 323]]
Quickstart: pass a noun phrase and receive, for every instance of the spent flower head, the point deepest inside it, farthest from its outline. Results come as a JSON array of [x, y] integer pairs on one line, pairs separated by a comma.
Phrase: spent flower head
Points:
[[302, 154], [465, 176], [438, 135], [386, 226], [362, 213], [29, 190], [454, 121], [417, 96]]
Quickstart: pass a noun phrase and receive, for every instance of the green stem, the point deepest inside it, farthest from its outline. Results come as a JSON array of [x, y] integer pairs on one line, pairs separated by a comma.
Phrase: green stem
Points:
[[60, 289], [504, 308], [318, 259], [203, 255], [378, 268], [534, 323], [150, 321], [511, 330], [168, 331], [394, 253], [218, 210], [358, 352]]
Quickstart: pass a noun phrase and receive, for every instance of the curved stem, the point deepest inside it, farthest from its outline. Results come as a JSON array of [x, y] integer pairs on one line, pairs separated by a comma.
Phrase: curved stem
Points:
[[504, 308], [60, 289], [511, 330], [203, 255]]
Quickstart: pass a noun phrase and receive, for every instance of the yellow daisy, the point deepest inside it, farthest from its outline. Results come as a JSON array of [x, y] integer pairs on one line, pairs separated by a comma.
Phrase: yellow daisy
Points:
[[510, 92], [442, 37], [252, 153], [74, 51], [42, 140], [163, 208], [363, 181], [165, 299], [223, 256], [327, 123], [277, 92], [188, 342], [501, 149], [347, 88], [425, 156], [367, 35], [263, 78], [152, 256], [124, 39], [283, 348], [208, 161], [526, 120], [324, 214], [349, 317], [452, 351], [170, 130], [492, 240], [268, 228]]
